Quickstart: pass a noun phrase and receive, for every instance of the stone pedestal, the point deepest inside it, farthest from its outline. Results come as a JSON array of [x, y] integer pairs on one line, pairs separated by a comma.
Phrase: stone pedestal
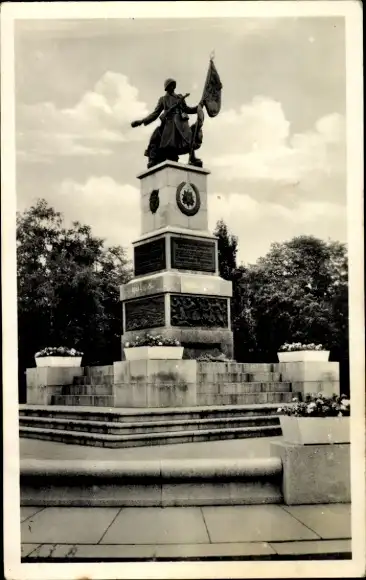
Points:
[[314, 473], [176, 290], [44, 383], [309, 377]]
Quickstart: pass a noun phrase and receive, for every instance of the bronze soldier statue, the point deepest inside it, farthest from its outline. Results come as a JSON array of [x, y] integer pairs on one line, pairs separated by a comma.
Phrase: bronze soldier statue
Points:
[[174, 136]]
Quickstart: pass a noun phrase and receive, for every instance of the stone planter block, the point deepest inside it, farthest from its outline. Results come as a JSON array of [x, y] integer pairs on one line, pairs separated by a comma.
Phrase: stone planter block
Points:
[[315, 430], [58, 361], [304, 356]]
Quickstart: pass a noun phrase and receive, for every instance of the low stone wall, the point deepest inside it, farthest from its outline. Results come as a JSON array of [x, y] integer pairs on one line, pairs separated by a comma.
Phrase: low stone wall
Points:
[[151, 483], [314, 474]]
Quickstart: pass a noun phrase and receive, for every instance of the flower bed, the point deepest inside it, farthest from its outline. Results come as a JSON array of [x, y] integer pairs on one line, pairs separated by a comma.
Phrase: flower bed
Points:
[[153, 347], [58, 356], [317, 420], [298, 352]]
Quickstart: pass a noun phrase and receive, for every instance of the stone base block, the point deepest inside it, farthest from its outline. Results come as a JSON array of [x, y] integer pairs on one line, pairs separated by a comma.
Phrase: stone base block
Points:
[[44, 382], [165, 178], [177, 282], [311, 377], [155, 383], [185, 383], [314, 474]]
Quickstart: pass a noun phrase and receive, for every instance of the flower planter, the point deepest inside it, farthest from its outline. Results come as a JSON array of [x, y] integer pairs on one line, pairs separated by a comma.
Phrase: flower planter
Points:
[[315, 430], [304, 356], [154, 352], [58, 361]]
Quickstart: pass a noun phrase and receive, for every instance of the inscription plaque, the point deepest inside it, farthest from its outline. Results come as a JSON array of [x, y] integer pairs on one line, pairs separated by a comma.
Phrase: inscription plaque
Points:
[[149, 257], [145, 312], [198, 311], [197, 255]]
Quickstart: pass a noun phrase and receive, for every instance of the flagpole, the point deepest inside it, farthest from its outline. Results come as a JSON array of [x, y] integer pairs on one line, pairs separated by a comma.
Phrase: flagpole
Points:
[[212, 56]]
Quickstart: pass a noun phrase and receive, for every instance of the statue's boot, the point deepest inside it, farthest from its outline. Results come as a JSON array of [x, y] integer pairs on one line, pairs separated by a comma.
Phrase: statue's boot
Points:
[[193, 160]]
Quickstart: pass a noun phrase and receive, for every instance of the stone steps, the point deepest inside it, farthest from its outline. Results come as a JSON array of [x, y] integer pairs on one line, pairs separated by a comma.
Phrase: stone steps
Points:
[[80, 400], [87, 389], [228, 394], [215, 388], [139, 427], [143, 439], [129, 428], [132, 415], [97, 380], [241, 377]]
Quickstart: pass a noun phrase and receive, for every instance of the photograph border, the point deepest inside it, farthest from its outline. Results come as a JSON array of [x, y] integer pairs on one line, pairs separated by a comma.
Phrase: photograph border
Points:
[[352, 11]]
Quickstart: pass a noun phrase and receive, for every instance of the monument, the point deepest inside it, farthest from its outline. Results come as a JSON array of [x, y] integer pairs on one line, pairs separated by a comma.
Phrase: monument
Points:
[[177, 290]]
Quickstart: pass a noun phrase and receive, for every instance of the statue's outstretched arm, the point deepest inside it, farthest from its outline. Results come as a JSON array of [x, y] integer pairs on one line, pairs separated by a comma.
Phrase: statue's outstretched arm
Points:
[[155, 114], [152, 117], [189, 110]]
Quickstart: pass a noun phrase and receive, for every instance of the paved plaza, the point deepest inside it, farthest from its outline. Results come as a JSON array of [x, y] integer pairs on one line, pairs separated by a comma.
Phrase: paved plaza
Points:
[[231, 532], [232, 448], [153, 533]]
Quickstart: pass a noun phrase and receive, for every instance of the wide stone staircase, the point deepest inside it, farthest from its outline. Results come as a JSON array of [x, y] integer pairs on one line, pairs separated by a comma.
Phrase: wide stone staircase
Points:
[[95, 388], [139, 427], [239, 404]]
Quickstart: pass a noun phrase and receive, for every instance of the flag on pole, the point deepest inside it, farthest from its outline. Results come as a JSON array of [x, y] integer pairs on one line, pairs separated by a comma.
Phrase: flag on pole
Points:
[[211, 98]]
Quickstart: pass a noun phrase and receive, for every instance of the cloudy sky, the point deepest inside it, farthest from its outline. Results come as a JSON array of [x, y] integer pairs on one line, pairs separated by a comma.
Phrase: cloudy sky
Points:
[[276, 151]]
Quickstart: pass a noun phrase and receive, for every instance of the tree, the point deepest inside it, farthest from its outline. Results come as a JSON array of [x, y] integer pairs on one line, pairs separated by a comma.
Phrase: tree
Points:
[[227, 251], [228, 269], [68, 287], [298, 292]]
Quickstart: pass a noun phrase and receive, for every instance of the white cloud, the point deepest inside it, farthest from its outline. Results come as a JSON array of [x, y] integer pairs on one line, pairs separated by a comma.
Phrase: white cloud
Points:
[[259, 147], [259, 224], [113, 211], [110, 208], [100, 119]]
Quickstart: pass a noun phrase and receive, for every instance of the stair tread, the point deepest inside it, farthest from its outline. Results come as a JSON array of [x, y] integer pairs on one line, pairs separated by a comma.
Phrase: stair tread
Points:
[[139, 436], [126, 411], [116, 424]]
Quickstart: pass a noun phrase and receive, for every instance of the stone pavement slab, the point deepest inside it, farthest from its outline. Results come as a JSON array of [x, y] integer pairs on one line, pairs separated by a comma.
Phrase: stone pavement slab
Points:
[[236, 532], [328, 521], [157, 526], [28, 512], [146, 551], [313, 547], [27, 549], [215, 550], [93, 551], [268, 523], [68, 525]]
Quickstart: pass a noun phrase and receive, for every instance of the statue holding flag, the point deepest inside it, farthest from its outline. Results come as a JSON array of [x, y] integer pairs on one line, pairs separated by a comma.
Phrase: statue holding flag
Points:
[[174, 136]]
